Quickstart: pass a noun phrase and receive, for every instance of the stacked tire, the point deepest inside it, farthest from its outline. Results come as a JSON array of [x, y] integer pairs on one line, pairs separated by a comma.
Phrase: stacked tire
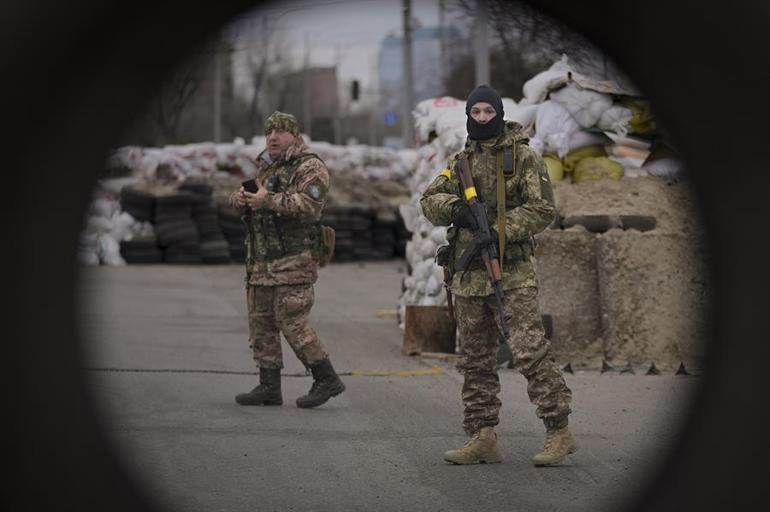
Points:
[[176, 230], [337, 219], [141, 250], [234, 232], [214, 248], [139, 204], [403, 235], [384, 225]]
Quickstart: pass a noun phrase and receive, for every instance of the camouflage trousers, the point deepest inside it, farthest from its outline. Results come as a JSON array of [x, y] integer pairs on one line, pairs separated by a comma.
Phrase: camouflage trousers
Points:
[[282, 309], [479, 338]]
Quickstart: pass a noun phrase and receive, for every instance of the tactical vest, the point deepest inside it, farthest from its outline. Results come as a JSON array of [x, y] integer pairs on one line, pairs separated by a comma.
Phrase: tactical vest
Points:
[[272, 235], [484, 164]]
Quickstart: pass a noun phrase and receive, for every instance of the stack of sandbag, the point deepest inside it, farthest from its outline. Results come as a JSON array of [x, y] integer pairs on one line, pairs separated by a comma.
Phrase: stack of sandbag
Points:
[[588, 128], [181, 192], [107, 226], [440, 128]]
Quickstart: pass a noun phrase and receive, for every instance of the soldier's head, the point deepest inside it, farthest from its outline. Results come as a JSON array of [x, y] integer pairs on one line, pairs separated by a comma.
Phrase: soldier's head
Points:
[[281, 130], [484, 109]]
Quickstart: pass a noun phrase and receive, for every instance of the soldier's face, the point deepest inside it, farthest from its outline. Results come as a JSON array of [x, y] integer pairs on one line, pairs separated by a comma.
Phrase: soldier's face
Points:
[[482, 112], [278, 141]]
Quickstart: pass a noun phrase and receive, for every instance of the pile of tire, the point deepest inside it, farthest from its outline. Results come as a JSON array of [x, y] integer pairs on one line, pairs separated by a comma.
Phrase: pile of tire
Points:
[[366, 234], [234, 232], [141, 250], [138, 203], [176, 230], [403, 235], [141, 206], [214, 248]]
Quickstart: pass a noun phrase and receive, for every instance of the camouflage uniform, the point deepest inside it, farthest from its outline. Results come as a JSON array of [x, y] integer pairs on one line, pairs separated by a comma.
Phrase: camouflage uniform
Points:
[[529, 209], [282, 244]]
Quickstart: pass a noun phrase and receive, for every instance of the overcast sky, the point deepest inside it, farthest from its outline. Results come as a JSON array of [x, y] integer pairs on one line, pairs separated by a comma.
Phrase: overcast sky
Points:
[[356, 27]]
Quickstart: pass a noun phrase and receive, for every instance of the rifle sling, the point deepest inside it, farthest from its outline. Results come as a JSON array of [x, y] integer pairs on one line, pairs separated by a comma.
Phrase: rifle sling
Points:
[[500, 205]]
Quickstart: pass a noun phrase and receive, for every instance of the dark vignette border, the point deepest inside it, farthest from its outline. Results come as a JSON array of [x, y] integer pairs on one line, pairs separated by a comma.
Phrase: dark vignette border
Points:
[[74, 73]]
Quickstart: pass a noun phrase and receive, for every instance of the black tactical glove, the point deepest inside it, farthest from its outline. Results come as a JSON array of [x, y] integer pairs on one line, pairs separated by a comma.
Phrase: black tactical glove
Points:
[[462, 216]]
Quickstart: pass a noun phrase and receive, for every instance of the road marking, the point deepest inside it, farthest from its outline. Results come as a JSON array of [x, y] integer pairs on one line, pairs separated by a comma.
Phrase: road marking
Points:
[[386, 313], [434, 370]]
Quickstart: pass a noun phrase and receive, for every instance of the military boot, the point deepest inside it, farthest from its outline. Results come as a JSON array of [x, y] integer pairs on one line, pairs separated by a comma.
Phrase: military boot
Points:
[[326, 384], [482, 448], [558, 444], [268, 392]]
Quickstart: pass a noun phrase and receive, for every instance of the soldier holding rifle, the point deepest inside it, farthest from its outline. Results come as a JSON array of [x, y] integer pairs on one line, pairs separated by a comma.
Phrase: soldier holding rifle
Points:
[[496, 195]]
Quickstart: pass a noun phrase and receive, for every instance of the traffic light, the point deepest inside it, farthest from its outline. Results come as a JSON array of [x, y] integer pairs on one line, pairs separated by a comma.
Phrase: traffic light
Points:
[[355, 90]]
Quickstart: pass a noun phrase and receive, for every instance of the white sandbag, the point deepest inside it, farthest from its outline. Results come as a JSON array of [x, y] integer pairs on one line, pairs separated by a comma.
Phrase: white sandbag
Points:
[[98, 225], [452, 131], [109, 251], [586, 106], [427, 248], [525, 115], [102, 207], [615, 119], [427, 112], [582, 138], [438, 235], [664, 167], [509, 105], [554, 127], [537, 88], [428, 300], [432, 286], [121, 226]]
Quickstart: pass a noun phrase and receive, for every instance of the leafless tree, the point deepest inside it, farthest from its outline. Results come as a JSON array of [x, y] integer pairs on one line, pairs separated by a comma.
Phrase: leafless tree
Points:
[[265, 65], [175, 95], [526, 41]]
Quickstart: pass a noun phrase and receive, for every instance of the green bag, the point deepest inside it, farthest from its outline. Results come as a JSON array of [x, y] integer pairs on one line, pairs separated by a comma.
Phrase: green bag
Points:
[[328, 237]]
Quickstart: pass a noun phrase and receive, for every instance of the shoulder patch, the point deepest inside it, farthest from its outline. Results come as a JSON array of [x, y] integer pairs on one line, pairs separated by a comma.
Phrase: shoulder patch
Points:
[[314, 190]]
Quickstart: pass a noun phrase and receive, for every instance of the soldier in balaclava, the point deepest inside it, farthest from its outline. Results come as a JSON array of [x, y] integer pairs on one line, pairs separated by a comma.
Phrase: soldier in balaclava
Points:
[[512, 183]]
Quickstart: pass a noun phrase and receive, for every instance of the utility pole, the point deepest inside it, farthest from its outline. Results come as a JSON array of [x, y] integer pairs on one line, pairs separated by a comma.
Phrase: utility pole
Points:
[[338, 109], [442, 42], [217, 107], [307, 115], [407, 98], [481, 43]]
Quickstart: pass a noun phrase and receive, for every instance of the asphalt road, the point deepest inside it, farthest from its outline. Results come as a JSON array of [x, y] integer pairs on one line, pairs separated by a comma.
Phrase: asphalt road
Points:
[[165, 351]]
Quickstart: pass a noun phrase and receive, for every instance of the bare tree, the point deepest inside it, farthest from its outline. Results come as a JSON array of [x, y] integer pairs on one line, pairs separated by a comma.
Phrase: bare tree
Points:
[[265, 63], [526, 42], [175, 95]]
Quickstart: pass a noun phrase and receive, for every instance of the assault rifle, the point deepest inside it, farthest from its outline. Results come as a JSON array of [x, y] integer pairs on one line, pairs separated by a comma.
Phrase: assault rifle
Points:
[[484, 244]]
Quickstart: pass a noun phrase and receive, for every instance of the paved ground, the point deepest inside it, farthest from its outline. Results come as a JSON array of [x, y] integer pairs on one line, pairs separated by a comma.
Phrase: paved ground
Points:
[[166, 351]]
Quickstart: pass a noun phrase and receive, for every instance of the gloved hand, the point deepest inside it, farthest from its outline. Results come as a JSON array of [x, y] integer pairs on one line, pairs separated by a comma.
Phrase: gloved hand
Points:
[[462, 216]]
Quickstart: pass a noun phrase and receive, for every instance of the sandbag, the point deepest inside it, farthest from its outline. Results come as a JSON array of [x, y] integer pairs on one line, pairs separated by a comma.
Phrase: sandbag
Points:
[[642, 120], [596, 168], [585, 106], [554, 166], [554, 127], [572, 158]]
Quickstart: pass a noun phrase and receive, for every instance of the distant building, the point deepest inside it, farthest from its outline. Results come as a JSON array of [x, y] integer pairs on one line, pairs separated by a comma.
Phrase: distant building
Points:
[[427, 74], [323, 101]]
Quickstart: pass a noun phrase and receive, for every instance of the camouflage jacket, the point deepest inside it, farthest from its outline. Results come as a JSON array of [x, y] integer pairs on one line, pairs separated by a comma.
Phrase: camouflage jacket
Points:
[[529, 209], [282, 236]]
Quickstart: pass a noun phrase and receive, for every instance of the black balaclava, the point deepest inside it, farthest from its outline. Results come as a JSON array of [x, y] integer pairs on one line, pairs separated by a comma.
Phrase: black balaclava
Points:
[[477, 131]]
